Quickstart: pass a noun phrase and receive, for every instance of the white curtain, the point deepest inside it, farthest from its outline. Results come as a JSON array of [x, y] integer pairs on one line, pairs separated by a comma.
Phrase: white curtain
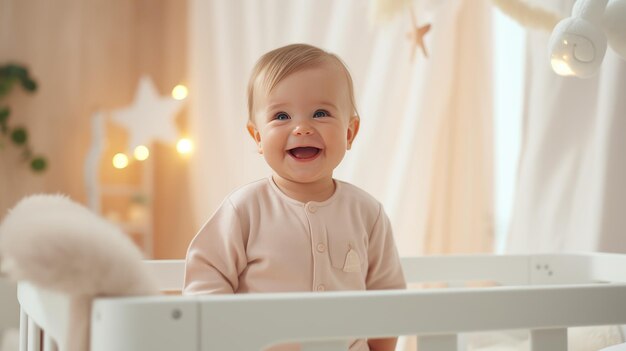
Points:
[[571, 194], [424, 148]]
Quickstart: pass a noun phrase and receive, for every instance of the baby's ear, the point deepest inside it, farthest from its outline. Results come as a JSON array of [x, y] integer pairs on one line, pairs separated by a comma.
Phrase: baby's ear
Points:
[[353, 130], [254, 133]]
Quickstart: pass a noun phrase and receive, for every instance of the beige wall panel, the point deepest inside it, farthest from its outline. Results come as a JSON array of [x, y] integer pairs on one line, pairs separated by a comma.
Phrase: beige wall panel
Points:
[[87, 55]]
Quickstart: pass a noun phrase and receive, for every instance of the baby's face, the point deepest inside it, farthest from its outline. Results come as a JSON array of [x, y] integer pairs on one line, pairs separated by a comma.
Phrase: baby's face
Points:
[[304, 126]]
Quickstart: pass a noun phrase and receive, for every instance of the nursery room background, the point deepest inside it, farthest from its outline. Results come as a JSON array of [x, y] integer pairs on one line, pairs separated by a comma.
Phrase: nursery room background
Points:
[[468, 137]]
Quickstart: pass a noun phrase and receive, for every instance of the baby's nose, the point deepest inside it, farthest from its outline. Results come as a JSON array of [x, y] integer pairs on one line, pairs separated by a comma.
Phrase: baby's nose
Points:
[[303, 129]]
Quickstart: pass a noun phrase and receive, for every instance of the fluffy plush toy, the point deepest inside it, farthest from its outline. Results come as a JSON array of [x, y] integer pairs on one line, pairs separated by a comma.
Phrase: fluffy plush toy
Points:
[[60, 245]]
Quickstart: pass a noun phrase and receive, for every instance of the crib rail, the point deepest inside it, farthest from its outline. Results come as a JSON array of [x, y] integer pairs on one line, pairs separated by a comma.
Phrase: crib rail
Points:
[[508, 270], [518, 270], [542, 293], [220, 322], [42, 310]]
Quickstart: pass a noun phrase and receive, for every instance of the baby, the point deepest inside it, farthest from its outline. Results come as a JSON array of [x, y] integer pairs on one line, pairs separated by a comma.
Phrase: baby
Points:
[[299, 229]]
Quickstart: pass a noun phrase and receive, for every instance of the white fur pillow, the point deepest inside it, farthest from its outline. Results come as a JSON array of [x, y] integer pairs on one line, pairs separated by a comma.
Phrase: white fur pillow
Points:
[[60, 245]]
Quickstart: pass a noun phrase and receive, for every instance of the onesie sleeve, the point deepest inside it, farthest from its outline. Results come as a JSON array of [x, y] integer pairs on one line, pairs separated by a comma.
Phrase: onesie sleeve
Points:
[[217, 255], [385, 270]]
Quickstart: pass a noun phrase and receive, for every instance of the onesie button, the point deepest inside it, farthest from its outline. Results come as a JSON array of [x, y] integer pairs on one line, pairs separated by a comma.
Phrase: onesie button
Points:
[[321, 247], [312, 208], [321, 287]]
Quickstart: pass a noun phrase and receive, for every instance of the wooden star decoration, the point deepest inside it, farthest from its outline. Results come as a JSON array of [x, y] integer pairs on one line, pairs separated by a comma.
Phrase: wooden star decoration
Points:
[[151, 117], [417, 36]]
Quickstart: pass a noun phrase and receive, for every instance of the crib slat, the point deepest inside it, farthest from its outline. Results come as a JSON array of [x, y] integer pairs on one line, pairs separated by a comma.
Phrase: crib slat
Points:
[[337, 345], [23, 330], [48, 343], [34, 336], [437, 343], [548, 339]]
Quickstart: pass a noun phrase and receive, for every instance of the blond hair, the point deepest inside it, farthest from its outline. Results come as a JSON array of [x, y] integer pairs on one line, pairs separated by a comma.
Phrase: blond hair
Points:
[[277, 64]]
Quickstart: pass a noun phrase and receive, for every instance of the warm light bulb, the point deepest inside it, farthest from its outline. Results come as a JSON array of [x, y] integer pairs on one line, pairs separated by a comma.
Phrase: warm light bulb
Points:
[[180, 92], [184, 146], [141, 152], [561, 67], [120, 161]]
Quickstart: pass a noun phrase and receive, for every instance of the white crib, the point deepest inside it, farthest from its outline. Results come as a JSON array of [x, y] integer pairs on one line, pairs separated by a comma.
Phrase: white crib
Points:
[[545, 294]]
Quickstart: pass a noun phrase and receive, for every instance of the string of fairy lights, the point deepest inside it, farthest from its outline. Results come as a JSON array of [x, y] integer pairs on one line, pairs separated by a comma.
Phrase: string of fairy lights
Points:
[[184, 146]]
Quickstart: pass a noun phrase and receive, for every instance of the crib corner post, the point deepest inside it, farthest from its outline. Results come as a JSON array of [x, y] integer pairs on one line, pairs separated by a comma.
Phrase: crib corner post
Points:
[[34, 336], [548, 339], [23, 330], [437, 342], [48, 343]]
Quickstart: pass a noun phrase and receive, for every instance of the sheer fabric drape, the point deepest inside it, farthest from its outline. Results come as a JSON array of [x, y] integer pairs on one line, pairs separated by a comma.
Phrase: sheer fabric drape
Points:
[[570, 194]]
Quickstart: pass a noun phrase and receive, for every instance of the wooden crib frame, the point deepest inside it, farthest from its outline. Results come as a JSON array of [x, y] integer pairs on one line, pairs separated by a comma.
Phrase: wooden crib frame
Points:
[[545, 294]]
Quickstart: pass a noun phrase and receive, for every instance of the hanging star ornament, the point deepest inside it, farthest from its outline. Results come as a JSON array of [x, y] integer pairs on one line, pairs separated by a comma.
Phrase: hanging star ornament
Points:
[[417, 36], [151, 117]]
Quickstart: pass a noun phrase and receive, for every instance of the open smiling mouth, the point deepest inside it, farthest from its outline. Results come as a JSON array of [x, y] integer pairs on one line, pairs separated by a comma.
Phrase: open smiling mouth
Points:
[[304, 153]]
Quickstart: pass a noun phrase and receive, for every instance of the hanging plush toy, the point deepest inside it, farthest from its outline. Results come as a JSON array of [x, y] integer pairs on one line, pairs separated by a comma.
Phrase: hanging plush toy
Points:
[[59, 245], [577, 43]]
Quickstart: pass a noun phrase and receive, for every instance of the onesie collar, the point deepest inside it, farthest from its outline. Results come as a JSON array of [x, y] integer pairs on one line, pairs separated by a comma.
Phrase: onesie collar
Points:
[[284, 196]]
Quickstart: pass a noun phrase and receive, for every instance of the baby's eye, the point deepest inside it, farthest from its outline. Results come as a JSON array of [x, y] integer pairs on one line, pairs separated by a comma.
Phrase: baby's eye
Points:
[[321, 113], [281, 116]]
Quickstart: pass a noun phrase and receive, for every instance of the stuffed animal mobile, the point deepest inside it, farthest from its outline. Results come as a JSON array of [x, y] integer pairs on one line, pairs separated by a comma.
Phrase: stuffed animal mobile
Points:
[[59, 245]]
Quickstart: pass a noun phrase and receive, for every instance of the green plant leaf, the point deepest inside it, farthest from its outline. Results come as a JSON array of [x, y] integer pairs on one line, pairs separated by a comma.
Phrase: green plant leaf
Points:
[[9, 74], [6, 84], [4, 114], [4, 71], [4, 117], [38, 164], [16, 71], [29, 84], [19, 136]]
